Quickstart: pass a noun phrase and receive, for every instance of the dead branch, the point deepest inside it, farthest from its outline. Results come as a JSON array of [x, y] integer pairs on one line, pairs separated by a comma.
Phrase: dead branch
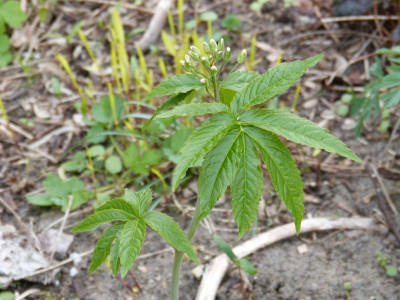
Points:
[[216, 270], [156, 24]]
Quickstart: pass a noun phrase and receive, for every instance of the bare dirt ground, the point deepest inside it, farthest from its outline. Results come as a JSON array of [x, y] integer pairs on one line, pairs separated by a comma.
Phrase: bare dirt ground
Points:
[[334, 187]]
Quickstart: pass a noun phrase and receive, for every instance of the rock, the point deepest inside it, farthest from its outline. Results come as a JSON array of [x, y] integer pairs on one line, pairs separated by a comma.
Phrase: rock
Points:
[[52, 241], [348, 124], [310, 104]]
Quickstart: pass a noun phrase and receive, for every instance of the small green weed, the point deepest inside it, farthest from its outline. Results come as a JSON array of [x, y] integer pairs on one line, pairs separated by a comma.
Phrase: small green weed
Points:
[[12, 16]]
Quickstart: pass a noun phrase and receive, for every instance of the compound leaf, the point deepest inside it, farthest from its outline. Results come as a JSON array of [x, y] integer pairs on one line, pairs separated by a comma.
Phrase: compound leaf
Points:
[[102, 249], [194, 109], [246, 189], [200, 142], [139, 200], [238, 80], [171, 102], [178, 84], [120, 204], [218, 169], [273, 82], [283, 171], [170, 231], [296, 129], [101, 217], [114, 255], [130, 244]]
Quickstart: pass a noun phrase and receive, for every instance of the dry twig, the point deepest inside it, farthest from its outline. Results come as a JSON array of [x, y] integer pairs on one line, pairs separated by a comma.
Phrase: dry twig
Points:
[[220, 265]]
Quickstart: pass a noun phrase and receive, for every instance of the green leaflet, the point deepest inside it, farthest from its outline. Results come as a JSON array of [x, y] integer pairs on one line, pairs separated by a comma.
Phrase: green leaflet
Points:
[[118, 204], [273, 82], [102, 249], [174, 85], [234, 83], [238, 80], [200, 142], [101, 217], [114, 256], [283, 171], [296, 129], [12, 13], [139, 200], [225, 247], [226, 96], [171, 102], [170, 231], [195, 109], [130, 243], [218, 169], [246, 189]]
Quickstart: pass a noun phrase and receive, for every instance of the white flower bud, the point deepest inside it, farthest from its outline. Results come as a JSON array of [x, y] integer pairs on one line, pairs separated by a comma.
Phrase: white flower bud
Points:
[[182, 62], [214, 68], [187, 58], [242, 56], [202, 80]]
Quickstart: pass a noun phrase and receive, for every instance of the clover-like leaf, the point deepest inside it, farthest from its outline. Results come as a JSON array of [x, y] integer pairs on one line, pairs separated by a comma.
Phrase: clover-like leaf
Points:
[[12, 13]]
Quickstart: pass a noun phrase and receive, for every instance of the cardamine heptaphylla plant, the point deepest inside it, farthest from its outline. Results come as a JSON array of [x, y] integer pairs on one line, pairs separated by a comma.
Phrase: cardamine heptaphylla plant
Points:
[[227, 146]]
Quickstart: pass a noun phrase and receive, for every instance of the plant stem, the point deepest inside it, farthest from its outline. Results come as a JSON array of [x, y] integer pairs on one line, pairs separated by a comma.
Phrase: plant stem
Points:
[[179, 254]]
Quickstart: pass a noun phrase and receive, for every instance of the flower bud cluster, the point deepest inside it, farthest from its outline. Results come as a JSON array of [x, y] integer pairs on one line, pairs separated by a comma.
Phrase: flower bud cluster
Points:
[[212, 57]]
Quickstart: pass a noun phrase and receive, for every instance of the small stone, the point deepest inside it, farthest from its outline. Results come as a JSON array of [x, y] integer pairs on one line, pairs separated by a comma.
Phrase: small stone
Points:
[[310, 104], [73, 272], [198, 271], [302, 249], [348, 124], [328, 114]]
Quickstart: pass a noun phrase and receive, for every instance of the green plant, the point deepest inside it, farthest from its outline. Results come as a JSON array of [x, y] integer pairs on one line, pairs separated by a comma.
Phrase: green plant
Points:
[[242, 263], [391, 271], [258, 4], [7, 296], [343, 109], [12, 15], [129, 233], [61, 192], [227, 145], [231, 22], [120, 150], [381, 94], [347, 289]]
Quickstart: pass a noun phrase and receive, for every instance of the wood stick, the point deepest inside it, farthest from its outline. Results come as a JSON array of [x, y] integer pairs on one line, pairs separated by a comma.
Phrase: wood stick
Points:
[[216, 270], [156, 24], [359, 18]]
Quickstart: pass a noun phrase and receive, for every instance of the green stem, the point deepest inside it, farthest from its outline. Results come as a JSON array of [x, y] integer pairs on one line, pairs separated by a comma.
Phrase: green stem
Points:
[[216, 96], [179, 254]]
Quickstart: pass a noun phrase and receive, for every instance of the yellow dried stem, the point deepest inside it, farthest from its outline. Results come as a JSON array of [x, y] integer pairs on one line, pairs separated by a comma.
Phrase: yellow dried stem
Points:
[[64, 63]]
